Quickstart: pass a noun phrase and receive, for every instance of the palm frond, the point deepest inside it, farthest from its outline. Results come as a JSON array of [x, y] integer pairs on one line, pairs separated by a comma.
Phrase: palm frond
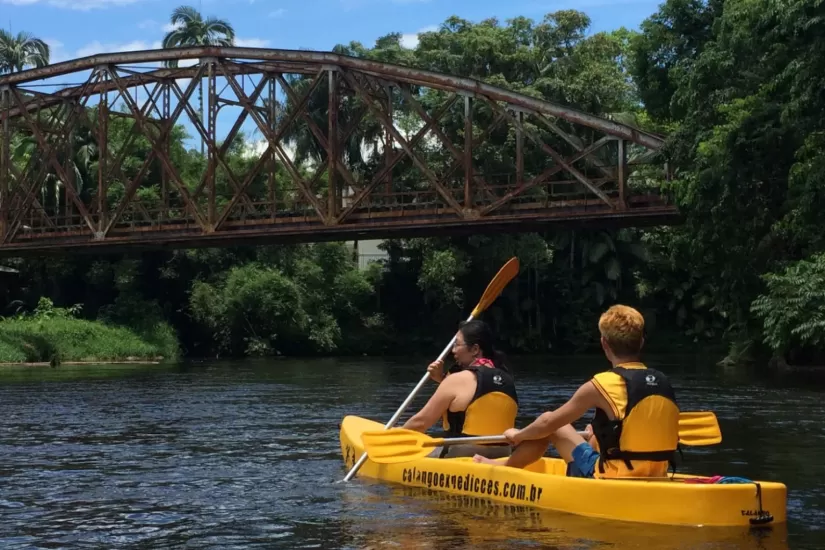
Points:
[[183, 15]]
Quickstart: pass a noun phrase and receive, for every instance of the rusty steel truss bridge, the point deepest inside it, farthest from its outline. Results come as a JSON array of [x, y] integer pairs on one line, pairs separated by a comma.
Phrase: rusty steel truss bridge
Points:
[[334, 148]]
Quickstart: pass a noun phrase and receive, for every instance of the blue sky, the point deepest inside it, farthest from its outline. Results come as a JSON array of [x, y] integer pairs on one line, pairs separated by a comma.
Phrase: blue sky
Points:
[[75, 28]]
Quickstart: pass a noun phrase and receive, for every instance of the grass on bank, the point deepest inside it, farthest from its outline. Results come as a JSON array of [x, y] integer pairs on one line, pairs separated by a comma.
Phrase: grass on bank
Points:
[[55, 334]]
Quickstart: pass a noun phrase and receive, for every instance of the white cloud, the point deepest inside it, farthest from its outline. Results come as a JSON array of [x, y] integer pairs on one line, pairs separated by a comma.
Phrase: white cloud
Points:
[[251, 42], [57, 50], [277, 13], [79, 5], [355, 4], [97, 47], [410, 40]]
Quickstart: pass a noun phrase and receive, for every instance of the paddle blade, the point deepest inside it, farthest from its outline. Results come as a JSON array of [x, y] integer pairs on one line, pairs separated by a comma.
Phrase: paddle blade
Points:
[[699, 428], [397, 445], [506, 274]]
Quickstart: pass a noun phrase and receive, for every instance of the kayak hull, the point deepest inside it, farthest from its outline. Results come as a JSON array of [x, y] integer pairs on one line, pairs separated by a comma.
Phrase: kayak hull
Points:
[[544, 485]]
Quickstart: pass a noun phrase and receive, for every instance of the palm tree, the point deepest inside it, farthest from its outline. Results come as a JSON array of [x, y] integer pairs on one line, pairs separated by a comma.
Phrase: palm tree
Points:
[[17, 52], [191, 29], [81, 166]]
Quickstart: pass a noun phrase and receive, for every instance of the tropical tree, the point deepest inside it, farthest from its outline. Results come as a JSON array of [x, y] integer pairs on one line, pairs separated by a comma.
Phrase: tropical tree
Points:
[[20, 51], [191, 29]]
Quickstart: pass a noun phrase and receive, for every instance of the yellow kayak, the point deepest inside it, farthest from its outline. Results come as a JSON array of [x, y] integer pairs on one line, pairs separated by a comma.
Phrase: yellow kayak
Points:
[[544, 485]]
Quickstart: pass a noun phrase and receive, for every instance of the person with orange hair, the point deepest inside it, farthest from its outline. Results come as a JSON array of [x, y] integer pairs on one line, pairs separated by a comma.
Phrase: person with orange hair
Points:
[[636, 427]]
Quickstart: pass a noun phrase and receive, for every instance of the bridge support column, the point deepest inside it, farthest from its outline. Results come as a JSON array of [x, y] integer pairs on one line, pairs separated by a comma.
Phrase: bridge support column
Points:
[[272, 163], [332, 153], [212, 137], [388, 148], [67, 210], [622, 173], [102, 147], [468, 151], [166, 117], [520, 150], [5, 164]]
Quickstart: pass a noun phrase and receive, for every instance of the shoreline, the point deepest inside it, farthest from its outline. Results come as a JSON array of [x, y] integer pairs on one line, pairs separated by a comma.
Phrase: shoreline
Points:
[[102, 362]]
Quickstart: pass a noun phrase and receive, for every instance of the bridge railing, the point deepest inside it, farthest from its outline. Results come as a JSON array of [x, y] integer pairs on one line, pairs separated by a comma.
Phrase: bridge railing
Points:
[[292, 210]]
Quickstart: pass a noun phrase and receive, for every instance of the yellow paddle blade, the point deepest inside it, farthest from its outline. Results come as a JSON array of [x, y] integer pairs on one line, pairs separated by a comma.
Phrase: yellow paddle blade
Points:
[[397, 445], [506, 274], [699, 428]]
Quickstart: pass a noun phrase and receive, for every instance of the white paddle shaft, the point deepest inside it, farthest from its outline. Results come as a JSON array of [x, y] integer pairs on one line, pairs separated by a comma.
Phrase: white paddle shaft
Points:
[[405, 404]]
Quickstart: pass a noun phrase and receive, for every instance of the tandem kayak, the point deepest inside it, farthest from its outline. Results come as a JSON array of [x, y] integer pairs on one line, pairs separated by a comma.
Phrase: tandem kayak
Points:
[[544, 485]]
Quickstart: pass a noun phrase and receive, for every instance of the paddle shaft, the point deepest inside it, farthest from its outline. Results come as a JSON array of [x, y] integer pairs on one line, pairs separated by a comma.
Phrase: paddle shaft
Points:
[[480, 440], [495, 439], [405, 404]]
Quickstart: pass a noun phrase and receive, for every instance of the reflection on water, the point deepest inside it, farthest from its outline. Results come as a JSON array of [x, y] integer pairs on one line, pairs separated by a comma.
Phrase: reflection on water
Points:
[[246, 454], [469, 522]]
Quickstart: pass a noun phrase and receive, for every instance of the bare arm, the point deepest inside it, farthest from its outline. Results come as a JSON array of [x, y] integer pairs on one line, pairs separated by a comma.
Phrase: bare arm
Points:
[[585, 398], [435, 407]]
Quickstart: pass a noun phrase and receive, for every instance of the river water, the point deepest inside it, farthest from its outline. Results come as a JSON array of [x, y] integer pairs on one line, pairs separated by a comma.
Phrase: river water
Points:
[[246, 455]]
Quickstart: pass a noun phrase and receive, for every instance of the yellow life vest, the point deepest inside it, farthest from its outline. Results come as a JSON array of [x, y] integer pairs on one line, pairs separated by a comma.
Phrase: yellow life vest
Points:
[[492, 410], [643, 438]]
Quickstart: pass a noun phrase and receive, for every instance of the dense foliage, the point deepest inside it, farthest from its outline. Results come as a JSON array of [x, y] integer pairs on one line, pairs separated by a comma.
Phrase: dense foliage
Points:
[[740, 82], [737, 85], [56, 335]]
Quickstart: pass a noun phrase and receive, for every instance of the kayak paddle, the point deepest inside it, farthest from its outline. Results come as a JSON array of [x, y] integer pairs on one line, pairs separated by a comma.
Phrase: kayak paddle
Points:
[[391, 446], [402, 445], [506, 274]]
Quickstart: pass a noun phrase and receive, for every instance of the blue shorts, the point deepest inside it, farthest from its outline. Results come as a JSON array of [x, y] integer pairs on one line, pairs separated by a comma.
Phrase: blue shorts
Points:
[[584, 461]]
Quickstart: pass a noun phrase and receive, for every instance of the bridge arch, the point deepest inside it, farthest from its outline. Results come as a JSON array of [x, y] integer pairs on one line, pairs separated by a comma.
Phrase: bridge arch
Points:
[[583, 174]]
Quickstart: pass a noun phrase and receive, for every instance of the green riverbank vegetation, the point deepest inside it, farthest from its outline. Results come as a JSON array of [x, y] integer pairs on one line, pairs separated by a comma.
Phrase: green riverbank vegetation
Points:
[[735, 84], [56, 335]]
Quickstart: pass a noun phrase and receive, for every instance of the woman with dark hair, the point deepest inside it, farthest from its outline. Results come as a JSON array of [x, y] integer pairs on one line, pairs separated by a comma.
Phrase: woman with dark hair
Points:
[[478, 396]]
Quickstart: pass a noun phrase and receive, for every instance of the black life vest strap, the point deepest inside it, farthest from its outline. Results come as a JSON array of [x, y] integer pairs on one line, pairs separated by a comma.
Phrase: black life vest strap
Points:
[[653, 456], [627, 456], [673, 460]]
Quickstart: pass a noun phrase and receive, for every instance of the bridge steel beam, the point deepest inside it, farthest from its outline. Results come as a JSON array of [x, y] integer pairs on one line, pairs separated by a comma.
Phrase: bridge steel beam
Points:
[[342, 148]]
